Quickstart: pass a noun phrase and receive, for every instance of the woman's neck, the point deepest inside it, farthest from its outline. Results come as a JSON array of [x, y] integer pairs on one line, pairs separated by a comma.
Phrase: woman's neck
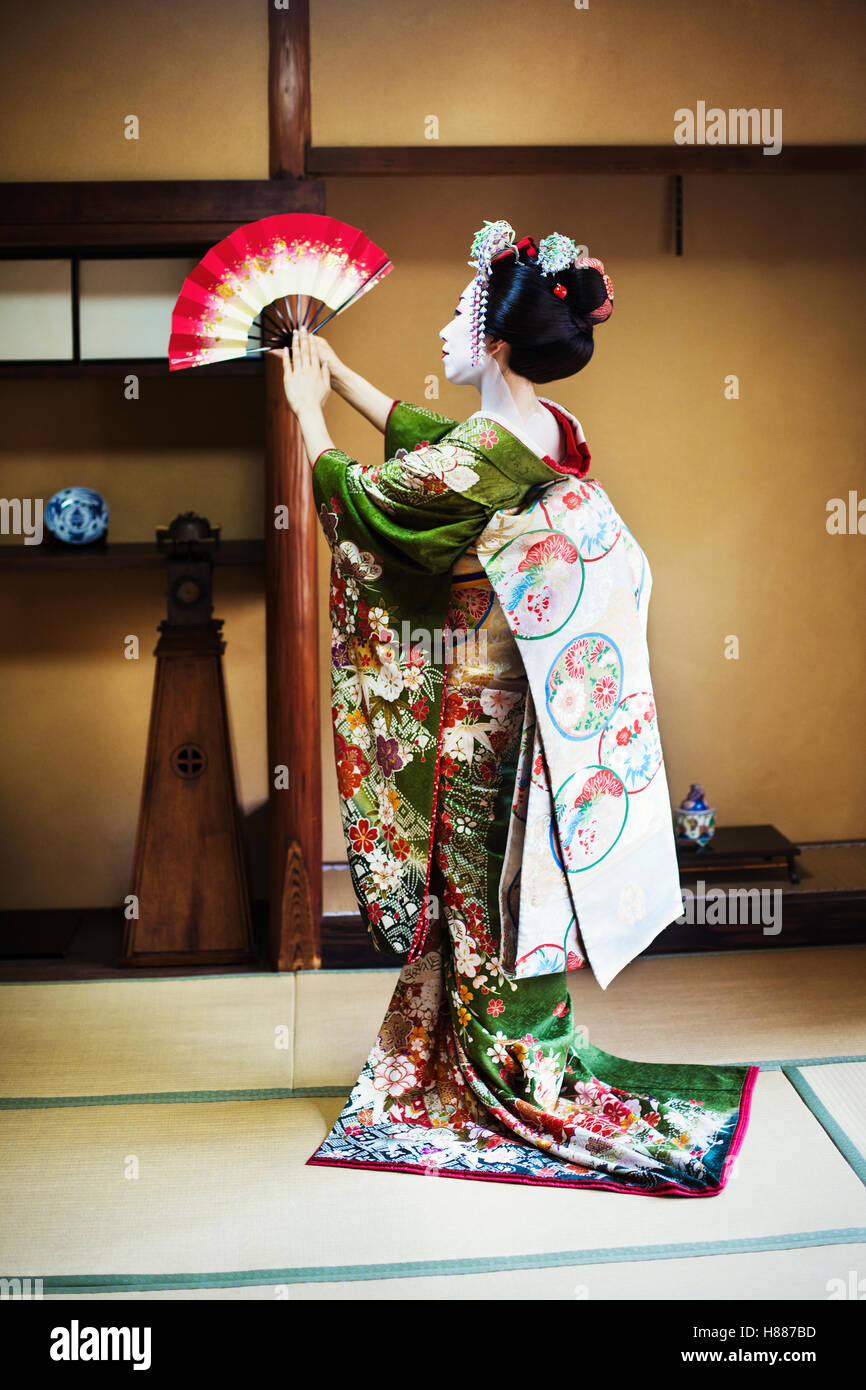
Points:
[[506, 394], [512, 400]]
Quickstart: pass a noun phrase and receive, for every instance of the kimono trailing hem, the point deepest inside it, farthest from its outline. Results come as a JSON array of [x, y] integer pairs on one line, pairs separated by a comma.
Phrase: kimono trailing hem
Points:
[[525, 785], [548, 1179]]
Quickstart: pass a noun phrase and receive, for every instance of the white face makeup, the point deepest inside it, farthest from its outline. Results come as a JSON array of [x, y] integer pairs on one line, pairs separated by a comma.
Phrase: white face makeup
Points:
[[537, 428], [457, 356]]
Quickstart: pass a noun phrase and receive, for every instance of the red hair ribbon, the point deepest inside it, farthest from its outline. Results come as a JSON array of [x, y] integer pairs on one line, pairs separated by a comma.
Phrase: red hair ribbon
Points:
[[525, 243]]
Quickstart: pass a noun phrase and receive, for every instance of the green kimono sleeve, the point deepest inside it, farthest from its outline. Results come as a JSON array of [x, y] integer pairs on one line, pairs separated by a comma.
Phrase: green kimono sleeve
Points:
[[419, 510], [408, 426]]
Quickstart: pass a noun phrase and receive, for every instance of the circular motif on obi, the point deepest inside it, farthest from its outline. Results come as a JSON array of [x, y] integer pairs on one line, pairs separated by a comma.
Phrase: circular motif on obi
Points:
[[630, 744], [551, 958], [585, 513], [591, 811], [539, 577], [546, 959], [583, 685]]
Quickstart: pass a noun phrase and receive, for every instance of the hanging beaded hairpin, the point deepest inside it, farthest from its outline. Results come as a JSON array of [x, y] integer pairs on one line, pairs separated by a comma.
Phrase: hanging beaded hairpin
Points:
[[491, 241]]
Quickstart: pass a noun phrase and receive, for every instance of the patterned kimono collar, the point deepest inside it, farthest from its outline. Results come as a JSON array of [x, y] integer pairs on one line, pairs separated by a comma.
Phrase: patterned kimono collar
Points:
[[577, 457]]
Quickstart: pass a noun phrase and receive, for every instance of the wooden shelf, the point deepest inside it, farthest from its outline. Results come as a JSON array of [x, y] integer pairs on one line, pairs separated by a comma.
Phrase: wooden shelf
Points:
[[329, 161], [122, 366], [140, 215], [119, 555], [828, 907]]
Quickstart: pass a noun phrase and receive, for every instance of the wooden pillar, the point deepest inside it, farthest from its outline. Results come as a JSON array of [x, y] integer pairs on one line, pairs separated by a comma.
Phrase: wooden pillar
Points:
[[288, 89], [294, 739], [295, 812]]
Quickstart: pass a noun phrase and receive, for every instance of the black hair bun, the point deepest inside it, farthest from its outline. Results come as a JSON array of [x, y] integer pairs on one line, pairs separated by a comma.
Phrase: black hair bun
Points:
[[549, 332], [586, 292]]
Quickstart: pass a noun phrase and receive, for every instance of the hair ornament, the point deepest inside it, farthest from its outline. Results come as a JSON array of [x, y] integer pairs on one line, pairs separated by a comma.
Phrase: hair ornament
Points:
[[491, 241], [494, 242], [556, 253], [604, 310]]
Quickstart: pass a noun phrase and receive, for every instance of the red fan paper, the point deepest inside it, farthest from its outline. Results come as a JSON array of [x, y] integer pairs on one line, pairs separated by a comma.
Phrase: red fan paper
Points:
[[238, 300]]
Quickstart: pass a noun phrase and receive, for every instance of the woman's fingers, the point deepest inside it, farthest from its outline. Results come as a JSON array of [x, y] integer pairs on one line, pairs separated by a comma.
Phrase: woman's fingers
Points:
[[301, 344]]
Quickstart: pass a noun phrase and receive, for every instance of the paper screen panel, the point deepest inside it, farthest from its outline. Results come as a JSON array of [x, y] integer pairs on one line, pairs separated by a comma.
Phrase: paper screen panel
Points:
[[35, 310], [126, 305]]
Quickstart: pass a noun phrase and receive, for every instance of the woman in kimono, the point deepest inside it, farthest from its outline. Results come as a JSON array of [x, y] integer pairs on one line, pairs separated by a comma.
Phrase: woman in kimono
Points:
[[502, 787]]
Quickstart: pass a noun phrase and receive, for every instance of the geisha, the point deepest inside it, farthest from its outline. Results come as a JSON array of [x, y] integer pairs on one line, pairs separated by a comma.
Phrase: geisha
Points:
[[504, 800]]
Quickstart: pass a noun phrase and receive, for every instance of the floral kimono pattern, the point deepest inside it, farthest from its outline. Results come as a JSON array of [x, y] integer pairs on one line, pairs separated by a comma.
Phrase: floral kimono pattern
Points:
[[479, 1070], [395, 531]]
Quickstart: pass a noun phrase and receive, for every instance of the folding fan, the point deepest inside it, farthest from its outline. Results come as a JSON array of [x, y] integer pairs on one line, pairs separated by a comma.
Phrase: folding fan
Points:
[[236, 302]]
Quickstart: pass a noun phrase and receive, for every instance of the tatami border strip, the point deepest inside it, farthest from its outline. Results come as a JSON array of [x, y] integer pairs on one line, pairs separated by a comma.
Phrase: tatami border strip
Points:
[[75, 1284], [844, 1143], [779, 1064], [785, 1065], [174, 1097], [316, 1092]]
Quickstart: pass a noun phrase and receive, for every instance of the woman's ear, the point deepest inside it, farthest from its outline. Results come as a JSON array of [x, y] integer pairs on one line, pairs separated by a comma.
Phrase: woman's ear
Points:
[[498, 348]]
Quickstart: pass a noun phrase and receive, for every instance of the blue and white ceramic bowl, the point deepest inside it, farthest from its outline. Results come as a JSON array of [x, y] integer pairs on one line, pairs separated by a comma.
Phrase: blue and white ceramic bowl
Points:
[[77, 515]]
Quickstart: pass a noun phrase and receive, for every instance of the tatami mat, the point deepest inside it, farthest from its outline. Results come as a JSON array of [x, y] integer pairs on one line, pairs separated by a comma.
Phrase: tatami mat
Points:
[[101, 1037], [221, 1188], [733, 1007], [836, 1093], [338, 1020]]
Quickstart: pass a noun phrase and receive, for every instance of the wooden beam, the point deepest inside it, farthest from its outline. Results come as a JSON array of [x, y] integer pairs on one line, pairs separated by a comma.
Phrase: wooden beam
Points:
[[199, 201], [407, 160], [294, 812], [141, 213]]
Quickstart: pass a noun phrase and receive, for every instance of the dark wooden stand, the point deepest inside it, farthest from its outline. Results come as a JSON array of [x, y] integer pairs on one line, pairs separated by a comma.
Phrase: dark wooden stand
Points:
[[189, 875], [738, 847]]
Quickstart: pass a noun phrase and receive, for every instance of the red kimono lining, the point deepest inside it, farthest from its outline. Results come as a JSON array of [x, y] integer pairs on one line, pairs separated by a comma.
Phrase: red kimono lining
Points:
[[577, 456]]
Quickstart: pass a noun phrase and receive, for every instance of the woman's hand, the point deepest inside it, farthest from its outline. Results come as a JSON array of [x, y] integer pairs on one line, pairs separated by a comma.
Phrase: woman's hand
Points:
[[307, 384], [327, 354], [305, 390], [306, 376]]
